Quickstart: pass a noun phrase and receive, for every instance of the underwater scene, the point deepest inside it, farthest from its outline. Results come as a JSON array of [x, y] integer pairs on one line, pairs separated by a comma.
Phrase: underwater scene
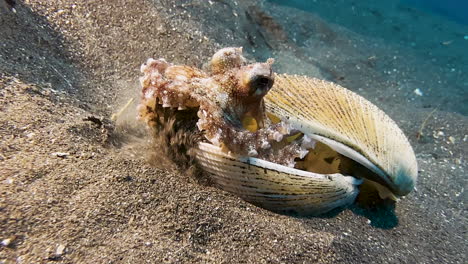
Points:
[[233, 131]]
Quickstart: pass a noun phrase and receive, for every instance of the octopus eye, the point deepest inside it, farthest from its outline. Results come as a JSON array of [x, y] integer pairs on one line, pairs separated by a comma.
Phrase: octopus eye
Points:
[[260, 85]]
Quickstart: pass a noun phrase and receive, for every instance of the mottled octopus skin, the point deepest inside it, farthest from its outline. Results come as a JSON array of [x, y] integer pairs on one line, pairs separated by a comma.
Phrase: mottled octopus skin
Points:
[[225, 97]]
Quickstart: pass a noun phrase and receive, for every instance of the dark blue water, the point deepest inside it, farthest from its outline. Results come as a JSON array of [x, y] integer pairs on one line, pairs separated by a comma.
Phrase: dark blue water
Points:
[[432, 35], [456, 10]]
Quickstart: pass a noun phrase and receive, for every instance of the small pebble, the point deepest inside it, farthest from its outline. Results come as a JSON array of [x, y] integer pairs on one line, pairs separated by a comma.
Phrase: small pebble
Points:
[[418, 92], [438, 134], [60, 154], [6, 242], [60, 250], [9, 180], [452, 139]]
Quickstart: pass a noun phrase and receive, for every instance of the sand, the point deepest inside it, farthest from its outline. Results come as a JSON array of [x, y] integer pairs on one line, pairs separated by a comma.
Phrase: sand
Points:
[[76, 187]]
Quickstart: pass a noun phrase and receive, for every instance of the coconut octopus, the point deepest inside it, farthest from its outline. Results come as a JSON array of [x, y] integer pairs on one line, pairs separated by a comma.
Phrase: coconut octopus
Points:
[[285, 143]]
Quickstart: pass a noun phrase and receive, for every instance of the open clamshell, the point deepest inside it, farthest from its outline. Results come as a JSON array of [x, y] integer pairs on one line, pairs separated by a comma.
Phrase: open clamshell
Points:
[[276, 187], [317, 144], [349, 124], [336, 117]]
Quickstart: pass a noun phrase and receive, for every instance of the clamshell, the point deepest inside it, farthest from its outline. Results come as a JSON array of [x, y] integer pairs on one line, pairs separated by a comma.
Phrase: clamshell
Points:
[[286, 143], [335, 116], [348, 123], [276, 187]]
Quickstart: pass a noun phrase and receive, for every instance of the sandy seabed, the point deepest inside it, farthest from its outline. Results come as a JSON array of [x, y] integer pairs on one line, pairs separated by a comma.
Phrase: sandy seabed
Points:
[[76, 187]]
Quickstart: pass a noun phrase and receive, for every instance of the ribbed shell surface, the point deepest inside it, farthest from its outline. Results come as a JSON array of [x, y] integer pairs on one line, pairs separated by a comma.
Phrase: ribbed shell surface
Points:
[[329, 110], [275, 187]]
